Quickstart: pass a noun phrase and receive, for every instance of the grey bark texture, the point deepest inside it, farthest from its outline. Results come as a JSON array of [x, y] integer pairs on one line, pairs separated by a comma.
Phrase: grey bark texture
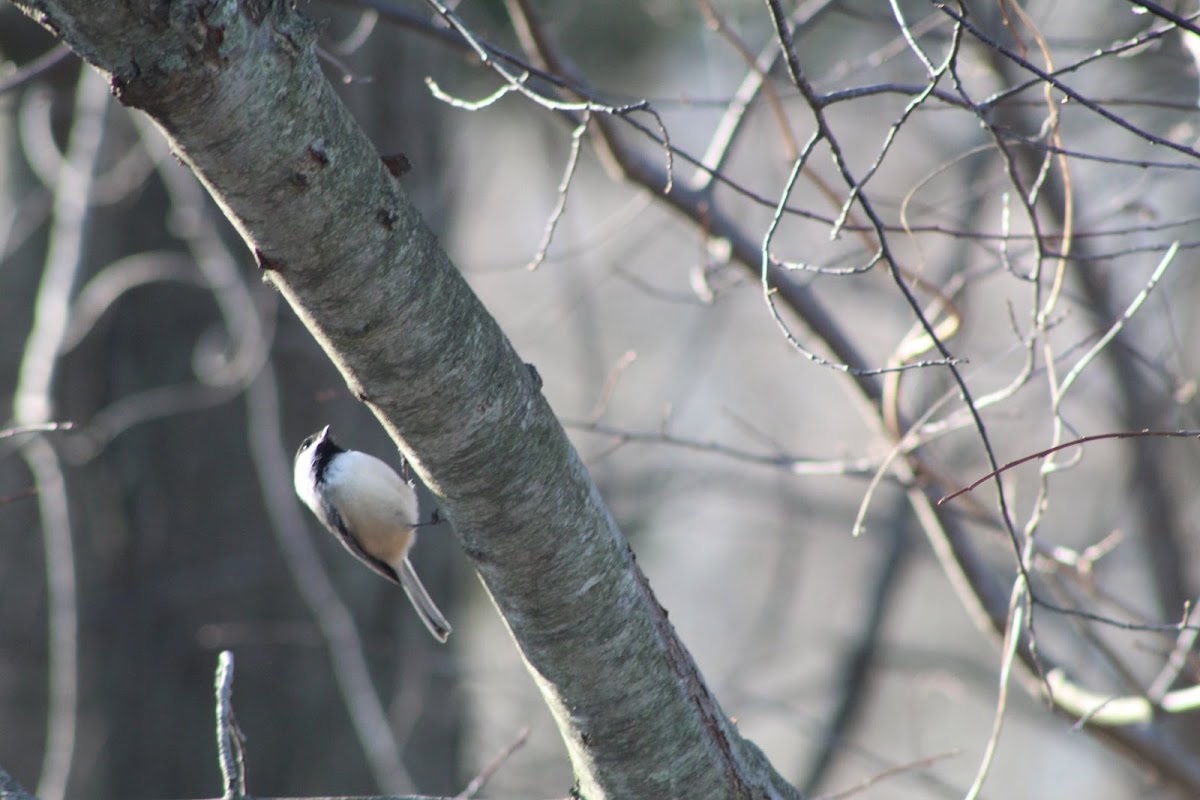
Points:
[[236, 88]]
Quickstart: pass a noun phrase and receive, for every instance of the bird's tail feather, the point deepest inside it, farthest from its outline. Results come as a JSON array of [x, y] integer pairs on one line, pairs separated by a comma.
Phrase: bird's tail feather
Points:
[[427, 610]]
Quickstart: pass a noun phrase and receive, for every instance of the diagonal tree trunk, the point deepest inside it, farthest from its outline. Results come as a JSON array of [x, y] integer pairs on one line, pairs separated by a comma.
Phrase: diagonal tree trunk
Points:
[[236, 89]]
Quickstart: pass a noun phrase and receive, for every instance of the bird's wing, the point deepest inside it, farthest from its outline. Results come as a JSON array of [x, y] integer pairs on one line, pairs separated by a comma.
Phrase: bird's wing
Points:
[[337, 527]]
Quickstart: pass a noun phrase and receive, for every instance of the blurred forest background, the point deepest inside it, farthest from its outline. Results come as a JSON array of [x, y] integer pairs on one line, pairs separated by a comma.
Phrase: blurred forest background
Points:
[[1044, 226]]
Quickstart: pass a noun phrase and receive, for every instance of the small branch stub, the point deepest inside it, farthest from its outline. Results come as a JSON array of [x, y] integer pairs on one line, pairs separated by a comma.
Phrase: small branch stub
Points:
[[230, 742], [397, 164], [265, 262]]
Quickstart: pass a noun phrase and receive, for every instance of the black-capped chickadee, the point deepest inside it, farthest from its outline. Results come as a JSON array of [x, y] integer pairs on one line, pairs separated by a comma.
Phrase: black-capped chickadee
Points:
[[371, 510]]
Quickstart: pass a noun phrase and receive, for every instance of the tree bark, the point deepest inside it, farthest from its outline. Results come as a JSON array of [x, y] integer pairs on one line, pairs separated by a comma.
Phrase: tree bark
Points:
[[237, 90]]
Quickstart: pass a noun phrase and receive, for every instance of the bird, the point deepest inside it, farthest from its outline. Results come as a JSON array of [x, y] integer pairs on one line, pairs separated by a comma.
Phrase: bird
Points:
[[371, 510]]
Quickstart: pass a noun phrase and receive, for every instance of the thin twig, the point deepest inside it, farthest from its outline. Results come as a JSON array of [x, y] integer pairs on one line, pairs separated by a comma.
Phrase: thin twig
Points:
[[563, 185], [21, 495], [900, 769], [755, 82], [35, 68], [795, 465], [1083, 100], [1181, 434], [37, 427], [479, 781], [1177, 659], [519, 82], [1012, 640], [1115, 328], [230, 741], [348, 75], [610, 384]]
